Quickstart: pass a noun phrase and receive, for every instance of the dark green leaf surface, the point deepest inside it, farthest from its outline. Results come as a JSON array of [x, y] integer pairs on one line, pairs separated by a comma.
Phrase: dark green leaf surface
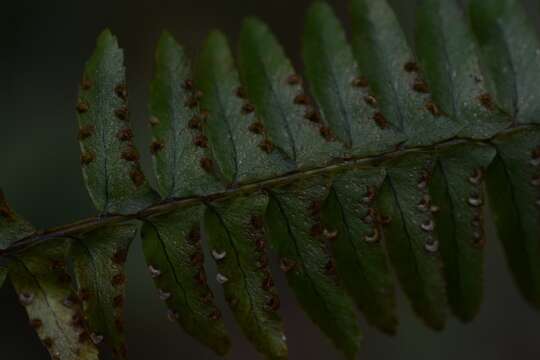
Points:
[[448, 54], [98, 264], [410, 240], [279, 99], [457, 189], [510, 51], [109, 159], [236, 237], [356, 240], [294, 223], [12, 227], [44, 289], [333, 75], [236, 137], [514, 193], [385, 58], [173, 251], [181, 158]]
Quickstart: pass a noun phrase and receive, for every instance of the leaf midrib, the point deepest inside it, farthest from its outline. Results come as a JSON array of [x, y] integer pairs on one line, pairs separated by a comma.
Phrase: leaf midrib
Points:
[[172, 204]]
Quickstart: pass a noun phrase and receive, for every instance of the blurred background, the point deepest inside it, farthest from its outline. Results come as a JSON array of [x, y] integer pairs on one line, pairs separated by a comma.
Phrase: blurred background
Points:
[[46, 44]]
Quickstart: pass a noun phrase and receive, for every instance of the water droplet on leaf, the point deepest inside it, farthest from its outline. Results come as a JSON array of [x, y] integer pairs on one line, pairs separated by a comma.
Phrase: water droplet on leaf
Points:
[[222, 279], [432, 246], [96, 339], [26, 298], [163, 295], [428, 226], [154, 273], [218, 255]]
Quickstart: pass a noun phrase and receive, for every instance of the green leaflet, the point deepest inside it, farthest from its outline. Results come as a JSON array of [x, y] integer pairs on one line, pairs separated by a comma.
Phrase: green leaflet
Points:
[[448, 54], [510, 51], [236, 237], [12, 227], [385, 58], [109, 159], [293, 125], [514, 192], [345, 101], [181, 161], [175, 258], [457, 189], [236, 137], [412, 245], [44, 289], [98, 264], [296, 232], [356, 236]]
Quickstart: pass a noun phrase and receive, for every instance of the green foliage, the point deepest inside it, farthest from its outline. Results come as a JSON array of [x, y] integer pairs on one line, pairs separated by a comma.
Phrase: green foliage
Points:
[[236, 237], [389, 158], [173, 251], [109, 160], [42, 284], [98, 258]]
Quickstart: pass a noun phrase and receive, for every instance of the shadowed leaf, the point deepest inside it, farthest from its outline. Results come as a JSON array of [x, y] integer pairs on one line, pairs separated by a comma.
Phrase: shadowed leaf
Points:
[[236, 238], [44, 289], [98, 263], [173, 252], [109, 160]]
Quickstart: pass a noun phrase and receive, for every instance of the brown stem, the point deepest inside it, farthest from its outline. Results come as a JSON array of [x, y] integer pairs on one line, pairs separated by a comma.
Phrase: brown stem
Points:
[[85, 225]]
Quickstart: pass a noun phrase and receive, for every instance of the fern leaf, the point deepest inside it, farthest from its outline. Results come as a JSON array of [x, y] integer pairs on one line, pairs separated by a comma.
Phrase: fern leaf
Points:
[[410, 238], [457, 189], [296, 233], [237, 138], [344, 99], [173, 251], [388, 149], [109, 159], [181, 158], [510, 52], [385, 58], [98, 264], [448, 55], [514, 192], [278, 97], [355, 235], [236, 237], [43, 287], [12, 226]]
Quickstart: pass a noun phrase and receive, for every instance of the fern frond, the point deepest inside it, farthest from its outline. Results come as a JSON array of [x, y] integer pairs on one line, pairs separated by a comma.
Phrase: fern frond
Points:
[[389, 157]]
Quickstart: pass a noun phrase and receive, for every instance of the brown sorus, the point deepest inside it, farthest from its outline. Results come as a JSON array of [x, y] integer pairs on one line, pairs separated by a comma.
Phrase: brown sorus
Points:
[[137, 177], [266, 146], [248, 108], [360, 81], [420, 86], [87, 157], [380, 120], [410, 66], [82, 106], [294, 79], [201, 141], [207, 164], [121, 91], [130, 154], [257, 127], [156, 147], [125, 134]]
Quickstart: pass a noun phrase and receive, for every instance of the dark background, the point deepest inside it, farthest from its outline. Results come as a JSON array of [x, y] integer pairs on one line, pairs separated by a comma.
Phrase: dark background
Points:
[[46, 44]]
